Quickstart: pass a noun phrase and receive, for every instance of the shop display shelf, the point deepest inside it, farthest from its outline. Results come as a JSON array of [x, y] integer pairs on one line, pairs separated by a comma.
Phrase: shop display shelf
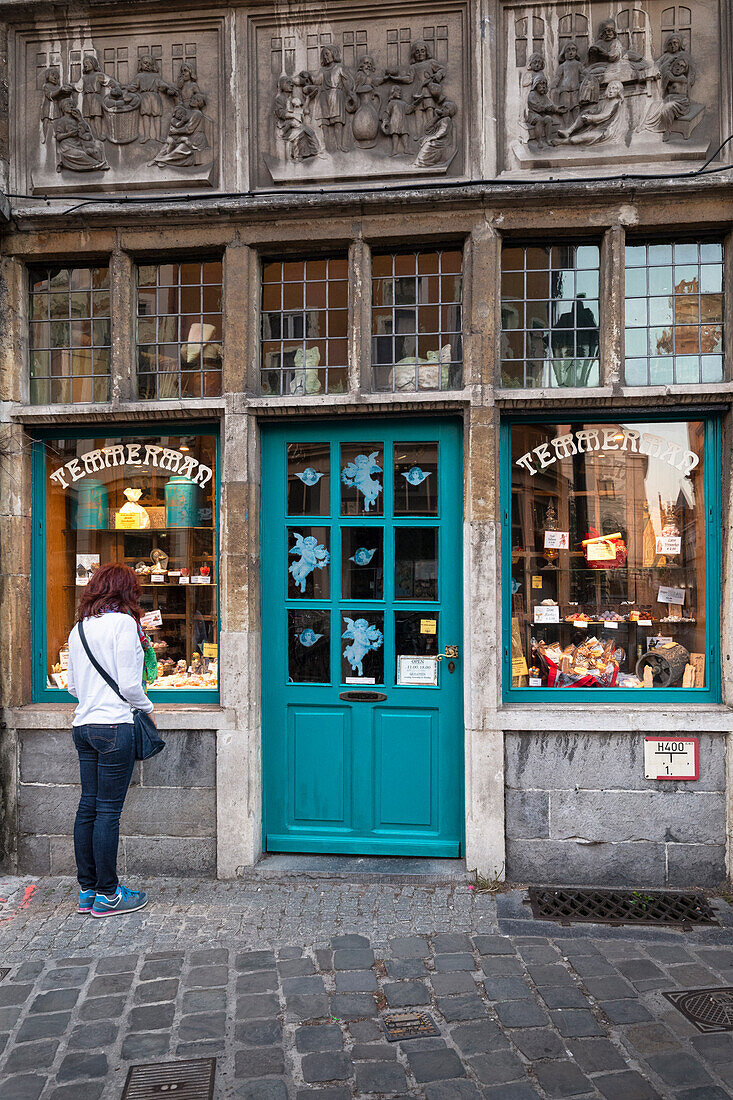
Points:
[[131, 530]]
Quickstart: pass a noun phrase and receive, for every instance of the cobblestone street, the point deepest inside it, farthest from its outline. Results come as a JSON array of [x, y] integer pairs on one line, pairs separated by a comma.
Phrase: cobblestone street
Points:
[[284, 983]]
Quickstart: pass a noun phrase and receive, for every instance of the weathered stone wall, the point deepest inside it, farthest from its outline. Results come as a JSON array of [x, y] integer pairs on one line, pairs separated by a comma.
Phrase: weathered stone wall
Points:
[[168, 824], [578, 810]]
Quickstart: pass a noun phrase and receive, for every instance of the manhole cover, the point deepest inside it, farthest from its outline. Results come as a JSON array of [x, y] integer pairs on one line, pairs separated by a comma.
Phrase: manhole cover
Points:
[[567, 906], [191, 1080], [408, 1025], [708, 1009]]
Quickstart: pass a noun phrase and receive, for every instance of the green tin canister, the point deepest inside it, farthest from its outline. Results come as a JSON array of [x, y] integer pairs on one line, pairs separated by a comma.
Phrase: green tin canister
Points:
[[181, 502], [92, 506]]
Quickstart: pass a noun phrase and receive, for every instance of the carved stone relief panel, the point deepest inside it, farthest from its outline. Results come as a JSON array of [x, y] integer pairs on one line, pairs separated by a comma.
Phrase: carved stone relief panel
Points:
[[608, 85], [367, 97], [105, 108]]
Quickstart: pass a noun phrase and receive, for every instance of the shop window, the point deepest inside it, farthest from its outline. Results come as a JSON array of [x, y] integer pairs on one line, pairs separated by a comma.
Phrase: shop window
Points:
[[611, 545], [304, 346], [674, 313], [416, 321], [69, 334], [550, 315], [150, 502], [179, 329]]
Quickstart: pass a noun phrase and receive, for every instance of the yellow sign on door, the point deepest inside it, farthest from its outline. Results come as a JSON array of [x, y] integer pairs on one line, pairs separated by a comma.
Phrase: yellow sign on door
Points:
[[428, 626]]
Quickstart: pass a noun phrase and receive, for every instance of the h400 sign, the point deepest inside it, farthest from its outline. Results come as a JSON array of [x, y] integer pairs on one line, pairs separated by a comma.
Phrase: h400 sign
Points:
[[671, 758]]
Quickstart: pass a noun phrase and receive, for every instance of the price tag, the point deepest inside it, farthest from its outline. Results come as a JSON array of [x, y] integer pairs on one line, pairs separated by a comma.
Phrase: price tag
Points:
[[581, 624], [537, 582], [546, 614], [152, 619], [157, 578], [669, 544], [428, 626], [535, 682], [127, 521], [645, 622], [211, 650], [611, 626], [557, 540], [601, 551], [671, 595], [183, 580], [519, 667]]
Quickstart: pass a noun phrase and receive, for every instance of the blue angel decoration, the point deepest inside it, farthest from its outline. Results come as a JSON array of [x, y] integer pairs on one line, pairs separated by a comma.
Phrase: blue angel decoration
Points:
[[309, 476], [516, 585], [416, 476], [308, 637], [364, 638], [357, 474], [312, 556], [362, 556]]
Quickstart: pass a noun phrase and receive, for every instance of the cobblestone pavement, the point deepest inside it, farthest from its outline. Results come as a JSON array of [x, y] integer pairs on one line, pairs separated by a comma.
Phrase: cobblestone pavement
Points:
[[284, 983]]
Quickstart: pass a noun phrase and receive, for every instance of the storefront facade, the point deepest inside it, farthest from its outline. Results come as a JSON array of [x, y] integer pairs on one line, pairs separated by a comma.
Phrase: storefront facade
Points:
[[411, 413]]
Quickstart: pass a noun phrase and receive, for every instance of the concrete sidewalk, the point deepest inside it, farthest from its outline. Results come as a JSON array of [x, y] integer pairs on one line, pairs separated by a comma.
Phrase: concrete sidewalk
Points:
[[284, 983]]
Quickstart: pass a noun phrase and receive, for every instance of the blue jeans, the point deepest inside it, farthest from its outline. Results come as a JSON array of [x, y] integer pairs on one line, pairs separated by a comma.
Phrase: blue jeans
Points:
[[106, 760]]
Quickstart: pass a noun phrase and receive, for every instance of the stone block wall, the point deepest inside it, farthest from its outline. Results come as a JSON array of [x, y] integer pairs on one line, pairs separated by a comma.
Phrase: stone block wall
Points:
[[579, 810], [169, 821]]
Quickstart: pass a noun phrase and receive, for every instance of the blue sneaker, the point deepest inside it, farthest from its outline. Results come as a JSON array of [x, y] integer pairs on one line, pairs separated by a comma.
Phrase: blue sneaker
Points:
[[86, 900], [123, 901]]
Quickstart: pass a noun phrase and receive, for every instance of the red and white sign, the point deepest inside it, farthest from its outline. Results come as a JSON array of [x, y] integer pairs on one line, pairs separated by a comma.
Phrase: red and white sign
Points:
[[671, 758]]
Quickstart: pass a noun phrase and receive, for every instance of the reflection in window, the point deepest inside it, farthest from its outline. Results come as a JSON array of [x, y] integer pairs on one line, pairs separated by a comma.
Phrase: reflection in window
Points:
[[361, 563], [608, 555], [309, 647], [416, 563], [416, 479], [674, 313], [416, 321], [304, 346], [69, 334], [549, 315], [309, 479], [179, 330]]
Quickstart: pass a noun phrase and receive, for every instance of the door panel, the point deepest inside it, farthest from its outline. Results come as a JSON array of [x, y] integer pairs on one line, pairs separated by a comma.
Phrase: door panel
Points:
[[361, 553]]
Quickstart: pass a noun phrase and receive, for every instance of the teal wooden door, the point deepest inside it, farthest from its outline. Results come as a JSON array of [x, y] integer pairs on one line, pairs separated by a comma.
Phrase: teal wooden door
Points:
[[361, 566]]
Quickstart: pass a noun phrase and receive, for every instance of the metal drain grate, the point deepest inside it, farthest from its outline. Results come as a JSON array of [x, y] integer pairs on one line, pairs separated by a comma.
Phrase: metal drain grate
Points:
[[191, 1080], [408, 1025], [619, 906], [708, 1009]]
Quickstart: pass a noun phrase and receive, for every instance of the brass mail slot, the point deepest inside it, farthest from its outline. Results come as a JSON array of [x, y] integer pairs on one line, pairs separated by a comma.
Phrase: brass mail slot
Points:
[[363, 696]]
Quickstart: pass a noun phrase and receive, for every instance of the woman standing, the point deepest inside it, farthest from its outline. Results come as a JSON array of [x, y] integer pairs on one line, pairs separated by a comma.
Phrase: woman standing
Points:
[[109, 612]]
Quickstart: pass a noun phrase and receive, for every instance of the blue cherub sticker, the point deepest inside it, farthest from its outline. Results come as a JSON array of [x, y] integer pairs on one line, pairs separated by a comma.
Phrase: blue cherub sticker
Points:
[[312, 556], [309, 476], [416, 476], [364, 638], [362, 556], [308, 637], [358, 475]]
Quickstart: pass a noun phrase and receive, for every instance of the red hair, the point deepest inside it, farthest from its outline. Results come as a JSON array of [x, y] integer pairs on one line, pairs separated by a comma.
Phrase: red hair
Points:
[[111, 587]]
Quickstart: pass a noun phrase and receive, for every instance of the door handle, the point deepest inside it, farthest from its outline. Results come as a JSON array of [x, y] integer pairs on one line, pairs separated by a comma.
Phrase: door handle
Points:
[[451, 652]]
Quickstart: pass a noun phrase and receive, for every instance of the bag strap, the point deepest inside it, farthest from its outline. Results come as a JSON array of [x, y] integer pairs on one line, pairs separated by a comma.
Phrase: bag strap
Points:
[[105, 675]]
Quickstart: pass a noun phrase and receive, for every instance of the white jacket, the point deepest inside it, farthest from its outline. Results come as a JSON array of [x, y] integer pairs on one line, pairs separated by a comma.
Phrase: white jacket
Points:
[[115, 643]]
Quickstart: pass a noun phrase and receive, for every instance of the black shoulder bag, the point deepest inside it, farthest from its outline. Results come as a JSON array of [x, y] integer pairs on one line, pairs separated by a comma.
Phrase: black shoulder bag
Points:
[[147, 742]]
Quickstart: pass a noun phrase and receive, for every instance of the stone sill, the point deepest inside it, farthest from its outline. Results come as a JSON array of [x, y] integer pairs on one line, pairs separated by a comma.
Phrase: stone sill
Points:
[[106, 411], [641, 718], [607, 395], [169, 716], [359, 403]]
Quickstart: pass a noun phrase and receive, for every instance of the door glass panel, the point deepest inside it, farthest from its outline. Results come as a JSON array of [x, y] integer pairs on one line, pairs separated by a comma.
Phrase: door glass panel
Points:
[[362, 655], [309, 557], [361, 563], [416, 563], [416, 479], [416, 634], [309, 648], [361, 479], [309, 479]]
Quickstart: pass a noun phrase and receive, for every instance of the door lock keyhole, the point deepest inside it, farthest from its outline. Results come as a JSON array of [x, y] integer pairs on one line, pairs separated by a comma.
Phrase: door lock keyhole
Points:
[[451, 666]]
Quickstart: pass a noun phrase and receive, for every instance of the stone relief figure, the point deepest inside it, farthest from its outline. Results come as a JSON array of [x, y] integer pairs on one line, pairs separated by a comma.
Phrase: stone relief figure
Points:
[[568, 79], [607, 61], [535, 64], [186, 142], [186, 84], [426, 75], [438, 137], [76, 146], [672, 107], [53, 92], [122, 115], [150, 85], [334, 83], [290, 111], [365, 103], [541, 113], [92, 104], [604, 122], [394, 122]]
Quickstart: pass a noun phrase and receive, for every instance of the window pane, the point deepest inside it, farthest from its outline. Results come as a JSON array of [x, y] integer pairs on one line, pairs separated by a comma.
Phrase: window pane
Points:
[[676, 314], [550, 315], [361, 563], [150, 504], [362, 647], [309, 647], [64, 296], [427, 352], [416, 563], [180, 334], [309, 557], [608, 553]]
